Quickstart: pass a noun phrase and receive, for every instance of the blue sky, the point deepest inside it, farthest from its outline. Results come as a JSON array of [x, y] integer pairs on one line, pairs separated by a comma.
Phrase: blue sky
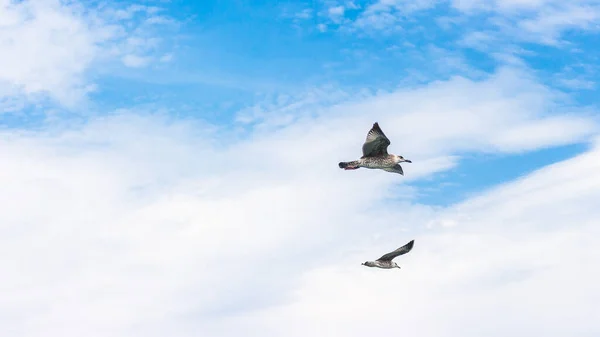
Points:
[[229, 55], [231, 51], [189, 150]]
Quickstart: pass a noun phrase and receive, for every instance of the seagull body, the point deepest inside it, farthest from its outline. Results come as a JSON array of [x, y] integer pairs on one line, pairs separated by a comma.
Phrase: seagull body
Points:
[[375, 155], [386, 262]]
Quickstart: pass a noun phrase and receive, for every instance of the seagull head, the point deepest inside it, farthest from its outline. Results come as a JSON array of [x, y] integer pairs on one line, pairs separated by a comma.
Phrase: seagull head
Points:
[[396, 265], [400, 159]]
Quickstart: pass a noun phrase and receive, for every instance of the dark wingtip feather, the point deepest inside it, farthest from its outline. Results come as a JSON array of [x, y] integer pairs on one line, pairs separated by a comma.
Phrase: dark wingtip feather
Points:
[[376, 128]]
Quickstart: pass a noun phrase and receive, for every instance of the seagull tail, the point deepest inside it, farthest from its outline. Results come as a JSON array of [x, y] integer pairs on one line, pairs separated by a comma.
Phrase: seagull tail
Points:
[[348, 164]]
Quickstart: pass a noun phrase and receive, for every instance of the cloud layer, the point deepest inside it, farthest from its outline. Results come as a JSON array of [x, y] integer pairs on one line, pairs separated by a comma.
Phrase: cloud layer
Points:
[[139, 224]]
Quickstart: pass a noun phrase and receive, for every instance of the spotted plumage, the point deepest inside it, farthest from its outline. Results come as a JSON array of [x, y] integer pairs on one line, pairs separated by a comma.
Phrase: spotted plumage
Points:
[[385, 262], [375, 155]]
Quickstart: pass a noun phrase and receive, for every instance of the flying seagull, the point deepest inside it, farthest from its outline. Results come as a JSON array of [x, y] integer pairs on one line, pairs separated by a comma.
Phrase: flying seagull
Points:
[[386, 262], [375, 155]]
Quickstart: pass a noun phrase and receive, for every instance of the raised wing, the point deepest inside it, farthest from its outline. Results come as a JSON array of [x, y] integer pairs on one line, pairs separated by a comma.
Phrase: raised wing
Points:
[[376, 143], [402, 250], [395, 169]]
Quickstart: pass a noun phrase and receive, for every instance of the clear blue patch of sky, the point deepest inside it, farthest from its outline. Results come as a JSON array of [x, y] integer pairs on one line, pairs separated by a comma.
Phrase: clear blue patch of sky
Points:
[[580, 59], [476, 173]]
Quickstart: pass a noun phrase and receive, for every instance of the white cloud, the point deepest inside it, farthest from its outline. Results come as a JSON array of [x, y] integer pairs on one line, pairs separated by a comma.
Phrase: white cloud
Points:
[[577, 76], [506, 101], [304, 14], [547, 23], [548, 26], [506, 21], [166, 58], [478, 40], [48, 47], [138, 225], [135, 61], [400, 5], [336, 14], [521, 257], [337, 10], [577, 83]]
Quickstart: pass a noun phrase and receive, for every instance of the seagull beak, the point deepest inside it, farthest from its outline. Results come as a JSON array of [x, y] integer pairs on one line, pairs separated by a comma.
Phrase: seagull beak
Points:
[[407, 161]]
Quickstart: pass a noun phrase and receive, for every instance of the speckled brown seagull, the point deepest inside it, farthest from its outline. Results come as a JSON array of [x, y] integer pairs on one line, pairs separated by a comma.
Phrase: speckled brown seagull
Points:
[[386, 262], [375, 155]]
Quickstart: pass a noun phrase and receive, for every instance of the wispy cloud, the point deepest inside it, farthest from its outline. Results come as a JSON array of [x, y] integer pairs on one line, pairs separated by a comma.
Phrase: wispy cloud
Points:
[[547, 24], [485, 22], [48, 47]]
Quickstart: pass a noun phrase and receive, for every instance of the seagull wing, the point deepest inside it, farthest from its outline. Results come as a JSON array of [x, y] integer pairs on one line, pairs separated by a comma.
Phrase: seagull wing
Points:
[[395, 169], [376, 143], [402, 250]]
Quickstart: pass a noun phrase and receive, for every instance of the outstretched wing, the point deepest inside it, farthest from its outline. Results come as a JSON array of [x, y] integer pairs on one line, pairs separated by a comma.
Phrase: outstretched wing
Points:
[[402, 250], [376, 143], [395, 169]]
